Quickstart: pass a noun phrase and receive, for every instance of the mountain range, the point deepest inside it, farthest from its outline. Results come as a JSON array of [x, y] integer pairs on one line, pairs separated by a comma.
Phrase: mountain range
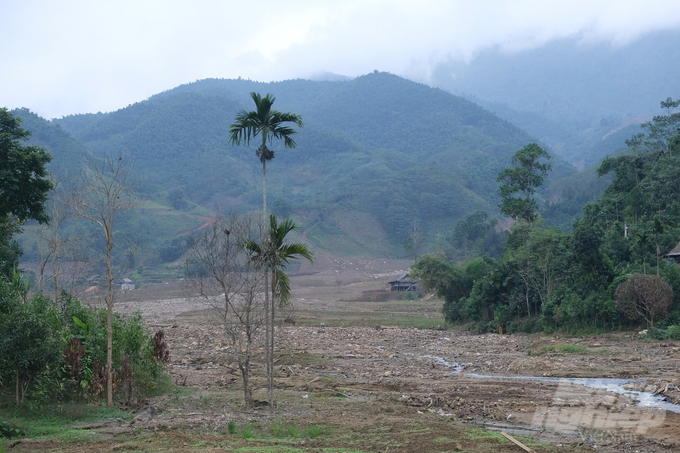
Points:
[[376, 153]]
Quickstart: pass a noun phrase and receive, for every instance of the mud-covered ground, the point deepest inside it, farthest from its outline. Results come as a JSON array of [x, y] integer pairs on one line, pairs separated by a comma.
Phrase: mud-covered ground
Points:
[[358, 367]]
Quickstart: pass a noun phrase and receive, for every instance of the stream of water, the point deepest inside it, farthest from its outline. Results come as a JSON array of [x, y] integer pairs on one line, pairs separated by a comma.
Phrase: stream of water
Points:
[[644, 399]]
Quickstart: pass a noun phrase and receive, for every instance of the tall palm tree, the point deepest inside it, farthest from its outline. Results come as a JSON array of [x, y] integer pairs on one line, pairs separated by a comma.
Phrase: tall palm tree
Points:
[[273, 253], [270, 125]]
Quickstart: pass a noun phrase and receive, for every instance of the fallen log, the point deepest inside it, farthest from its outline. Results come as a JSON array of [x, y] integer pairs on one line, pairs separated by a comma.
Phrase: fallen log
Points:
[[516, 442]]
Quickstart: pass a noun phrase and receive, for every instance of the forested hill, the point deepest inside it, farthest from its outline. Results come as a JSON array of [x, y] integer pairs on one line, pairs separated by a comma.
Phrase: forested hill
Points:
[[376, 153], [67, 151]]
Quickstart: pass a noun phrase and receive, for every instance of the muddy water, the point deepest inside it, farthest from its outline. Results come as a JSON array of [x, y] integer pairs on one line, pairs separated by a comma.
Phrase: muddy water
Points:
[[455, 366], [644, 399]]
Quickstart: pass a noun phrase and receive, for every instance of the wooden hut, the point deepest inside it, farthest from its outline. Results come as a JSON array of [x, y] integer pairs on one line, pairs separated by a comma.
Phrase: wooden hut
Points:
[[674, 254], [404, 283]]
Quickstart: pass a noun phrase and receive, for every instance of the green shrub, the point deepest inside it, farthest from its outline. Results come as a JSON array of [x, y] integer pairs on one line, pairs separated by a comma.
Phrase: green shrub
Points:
[[8, 430], [674, 332], [657, 334], [316, 431], [29, 346], [247, 433], [293, 431], [33, 336]]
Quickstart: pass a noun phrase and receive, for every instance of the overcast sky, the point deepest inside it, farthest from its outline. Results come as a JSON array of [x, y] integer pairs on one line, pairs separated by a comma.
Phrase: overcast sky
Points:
[[64, 57]]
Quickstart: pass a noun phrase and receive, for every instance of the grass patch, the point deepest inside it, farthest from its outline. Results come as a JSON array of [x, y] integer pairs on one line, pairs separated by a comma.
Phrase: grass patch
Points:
[[479, 434], [293, 431], [247, 433], [316, 431], [55, 420]]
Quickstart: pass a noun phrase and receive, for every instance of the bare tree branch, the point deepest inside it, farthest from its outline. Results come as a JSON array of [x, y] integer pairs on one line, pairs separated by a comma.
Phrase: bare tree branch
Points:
[[107, 189], [218, 270]]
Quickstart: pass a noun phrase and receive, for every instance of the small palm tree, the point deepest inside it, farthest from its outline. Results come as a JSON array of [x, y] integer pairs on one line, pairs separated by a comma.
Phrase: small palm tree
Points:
[[273, 254], [270, 125]]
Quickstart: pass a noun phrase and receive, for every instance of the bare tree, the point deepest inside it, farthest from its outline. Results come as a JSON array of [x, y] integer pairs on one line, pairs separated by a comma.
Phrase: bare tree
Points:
[[414, 242], [644, 296], [217, 268], [52, 244], [107, 190]]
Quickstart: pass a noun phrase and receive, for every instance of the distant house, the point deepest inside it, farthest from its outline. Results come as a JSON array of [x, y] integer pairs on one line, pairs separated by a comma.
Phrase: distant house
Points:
[[674, 254], [404, 283], [127, 284]]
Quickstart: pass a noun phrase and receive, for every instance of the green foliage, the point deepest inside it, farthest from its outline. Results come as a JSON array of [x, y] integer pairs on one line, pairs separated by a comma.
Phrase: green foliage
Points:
[[175, 249], [547, 279], [23, 176], [265, 122], [475, 235], [33, 335], [10, 250], [523, 180], [454, 283], [23, 184], [565, 197], [178, 199], [8, 430], [29, 346], [673, 332], [55, 420], [660, 334], [274, 254]]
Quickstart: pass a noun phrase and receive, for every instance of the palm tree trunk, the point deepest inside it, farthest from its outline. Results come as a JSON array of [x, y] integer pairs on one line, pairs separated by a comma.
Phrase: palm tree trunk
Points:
[[269, 314], [268, 333], [264, 189], [270, 382]]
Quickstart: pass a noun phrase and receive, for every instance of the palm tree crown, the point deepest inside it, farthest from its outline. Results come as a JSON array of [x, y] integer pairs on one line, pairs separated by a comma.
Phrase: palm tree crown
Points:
[[270, 125], [266, 122], [274, 253]]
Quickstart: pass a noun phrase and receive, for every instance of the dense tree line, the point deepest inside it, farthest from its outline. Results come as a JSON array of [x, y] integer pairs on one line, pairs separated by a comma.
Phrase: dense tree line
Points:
[[608, 272]]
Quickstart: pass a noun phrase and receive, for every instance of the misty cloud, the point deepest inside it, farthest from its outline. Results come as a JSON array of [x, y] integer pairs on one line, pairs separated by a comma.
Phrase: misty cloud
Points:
[[75, 57]]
